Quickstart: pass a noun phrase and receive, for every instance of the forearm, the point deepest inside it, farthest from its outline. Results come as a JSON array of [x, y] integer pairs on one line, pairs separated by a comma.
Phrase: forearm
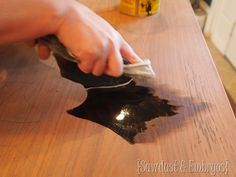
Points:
[[98, 46], [28, 19]]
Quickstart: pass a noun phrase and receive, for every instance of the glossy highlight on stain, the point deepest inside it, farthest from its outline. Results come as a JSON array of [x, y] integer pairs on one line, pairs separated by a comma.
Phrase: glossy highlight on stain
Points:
[[124, 110]]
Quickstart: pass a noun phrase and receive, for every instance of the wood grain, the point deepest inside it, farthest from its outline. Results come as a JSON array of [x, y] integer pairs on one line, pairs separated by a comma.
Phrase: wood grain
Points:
[[39, 139]]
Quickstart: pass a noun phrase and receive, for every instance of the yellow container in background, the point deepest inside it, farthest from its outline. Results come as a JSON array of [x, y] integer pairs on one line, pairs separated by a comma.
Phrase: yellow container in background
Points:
[[139, 7]]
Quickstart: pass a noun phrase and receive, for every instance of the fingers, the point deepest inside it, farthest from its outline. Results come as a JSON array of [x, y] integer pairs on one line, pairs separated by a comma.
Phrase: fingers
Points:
[[96, 66], [86, 65], [128, 53], [113, 63], [113, 66], [43, 51], [99, 67]]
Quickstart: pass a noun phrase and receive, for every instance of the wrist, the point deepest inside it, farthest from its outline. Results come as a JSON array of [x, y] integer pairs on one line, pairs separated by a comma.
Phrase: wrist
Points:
[[56, 14], [71, 15]]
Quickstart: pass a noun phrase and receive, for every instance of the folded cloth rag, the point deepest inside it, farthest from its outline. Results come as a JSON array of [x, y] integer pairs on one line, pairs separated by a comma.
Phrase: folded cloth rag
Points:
[[140, 69]]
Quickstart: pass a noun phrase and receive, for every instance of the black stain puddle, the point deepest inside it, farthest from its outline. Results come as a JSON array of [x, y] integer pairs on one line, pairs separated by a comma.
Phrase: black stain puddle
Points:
[[124, 110]]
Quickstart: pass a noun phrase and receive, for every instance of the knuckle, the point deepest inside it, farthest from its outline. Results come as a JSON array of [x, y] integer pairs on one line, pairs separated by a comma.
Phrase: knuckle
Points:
[[77, 54], [103, 45], [84, 68], [92, 54]]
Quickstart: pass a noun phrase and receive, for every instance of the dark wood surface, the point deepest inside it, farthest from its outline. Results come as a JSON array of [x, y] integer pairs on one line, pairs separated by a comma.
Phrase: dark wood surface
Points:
[[38, 138]]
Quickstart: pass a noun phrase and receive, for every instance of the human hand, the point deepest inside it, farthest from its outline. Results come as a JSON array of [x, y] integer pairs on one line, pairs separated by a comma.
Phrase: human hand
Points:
[[98, 47]]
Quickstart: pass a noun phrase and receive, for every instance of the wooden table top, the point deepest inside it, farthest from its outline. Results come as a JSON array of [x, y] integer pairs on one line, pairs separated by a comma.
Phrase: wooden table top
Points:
[[38, 138]]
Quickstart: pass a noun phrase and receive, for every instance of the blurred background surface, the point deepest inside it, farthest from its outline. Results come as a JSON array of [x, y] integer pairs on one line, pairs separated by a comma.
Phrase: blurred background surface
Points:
[[217, 19]]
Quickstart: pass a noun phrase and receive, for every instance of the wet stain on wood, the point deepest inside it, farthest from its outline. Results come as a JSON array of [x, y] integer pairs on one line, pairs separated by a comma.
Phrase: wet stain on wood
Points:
[[125, 110]]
